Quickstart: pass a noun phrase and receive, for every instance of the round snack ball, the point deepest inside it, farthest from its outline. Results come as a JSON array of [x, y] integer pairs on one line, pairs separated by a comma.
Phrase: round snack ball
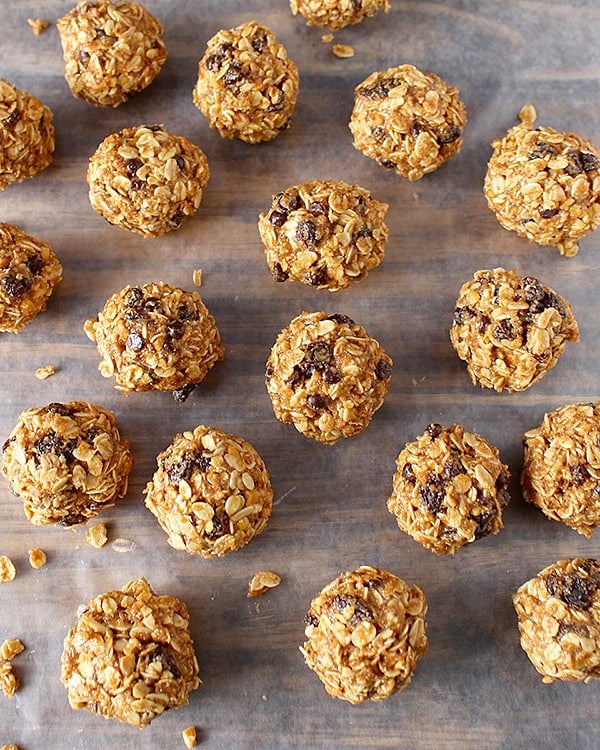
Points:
[[26, 135], [247, 86], [67, 462], [146, 179], [155, 337], [327, 376], [559, 620], [324, 234], [130, 655], [449, 489], [561, 466], [29, 271], [336, 14], [510, 330], [211, 492], [112, 49], [365, 632], [544, 185], [407, 120]]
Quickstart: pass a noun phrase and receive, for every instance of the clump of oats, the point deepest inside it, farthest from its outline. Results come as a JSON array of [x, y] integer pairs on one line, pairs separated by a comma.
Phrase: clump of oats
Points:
[[45, 372], [7, 569], [10, 648], [262, 581], [38, 25], [96, 535], [9, 682], [37, 558], [190, 737], [337, 14]]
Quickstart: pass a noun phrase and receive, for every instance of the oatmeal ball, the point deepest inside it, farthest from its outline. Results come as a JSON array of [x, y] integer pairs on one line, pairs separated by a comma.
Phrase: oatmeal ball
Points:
[[510, 330], [324, 234], [336, 14], [26, 135], [365, 632], [211, 492], [112, 49], [146, 179], [247, 85], [544, 185], [449, 489], [559, 620], [155, 337], [130, 655], [327, 376], [561, 467], [29, 271], [67, 462], [407, 120]]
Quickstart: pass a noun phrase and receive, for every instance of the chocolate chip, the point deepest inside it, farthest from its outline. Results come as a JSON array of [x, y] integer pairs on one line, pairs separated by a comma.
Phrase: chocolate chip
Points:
[[547, 213], [15, 287], [306, 232], [134, 342], [449, 136], [277, 217], [278, 273], [317, 401], [383, 369]]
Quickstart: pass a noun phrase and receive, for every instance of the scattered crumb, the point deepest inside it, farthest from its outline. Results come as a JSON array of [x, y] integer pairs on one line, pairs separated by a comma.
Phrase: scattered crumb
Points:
[[343, 50], [9, 682], [326, 38], [123, 545], [96, 535], [527, 114], [37, 25], [37, 558], [45, 372], [11, 648], [7, 569], [197, 277], [264, 697], [189, 737], [262, 582]]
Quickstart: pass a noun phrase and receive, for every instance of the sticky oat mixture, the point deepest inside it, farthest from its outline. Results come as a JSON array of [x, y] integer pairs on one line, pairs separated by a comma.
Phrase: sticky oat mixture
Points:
[[510, 329], [326, 234], [67, 462], [365, 632], [130, 655], [337, 14]]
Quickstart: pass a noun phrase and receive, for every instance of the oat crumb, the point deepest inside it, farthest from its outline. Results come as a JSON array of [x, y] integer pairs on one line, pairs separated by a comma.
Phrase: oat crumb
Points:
[[7, 569], [37, 558], [528, 114], [197, 277], [123, 545], [96, 535], [326, 38], [262, 582], [343, 50], [37, 25], [11, 648], [9, 682], [45, 372], [189, 737]]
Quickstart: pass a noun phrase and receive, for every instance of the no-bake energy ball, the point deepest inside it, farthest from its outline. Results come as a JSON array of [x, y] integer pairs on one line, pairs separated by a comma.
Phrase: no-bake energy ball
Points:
[[325, 234], [561, 467], [130, 655], [559, 620], [211, 492], [450, 488], [327, 376], [365, 632], [247, 86], [26, 135], [336, 14], [67, 462], [111, 48], [510, 330], [544, 185], [146, 179], [29, 271], [407, 120]]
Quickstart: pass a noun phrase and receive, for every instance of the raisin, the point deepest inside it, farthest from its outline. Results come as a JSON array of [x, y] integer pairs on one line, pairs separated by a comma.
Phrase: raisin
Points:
[[258, 43], [361, 204], [463, 313], [541, 150], [311, 619], [135, 297], [570, 627], [190, 461], [318, 277], [378, 133], [306, 232], [572, 589], [547, 213], [579, 474], [383, 369], [387, 163], [574, 167], [213, 62], [449, 136], [505, 330], [319, 353], [163, 654], [485, 523], [361, 612], [132, 166], [482, 323], [57, 408], [364, 231], [278, 273], [316, 401], [233, 74], [47, 443], [134, 342], [379, 91], [340, 602], [186, 313], [72, 519], [176, 219], [452, 468], [220, 523], [277, 217], [100, 33], [297, 376], [432, 498], [180, 394], [416, 128], [175, 330], [13, 118], [330, 375], [434, 430], [15, 287], [589, 162], [408, 473], [180, 161], [34, 263], [341, 319], [317, 208]]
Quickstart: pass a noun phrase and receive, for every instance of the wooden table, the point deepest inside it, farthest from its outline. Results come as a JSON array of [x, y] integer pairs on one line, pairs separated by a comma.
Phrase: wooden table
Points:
[[475, 688]]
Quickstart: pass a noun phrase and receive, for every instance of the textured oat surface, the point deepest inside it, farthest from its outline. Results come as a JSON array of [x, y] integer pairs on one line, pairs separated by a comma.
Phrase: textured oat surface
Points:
[[111, 48], [67, 462], [29, 271], [449, 489], [247, 85], [510, 329], [544, 184], [326, 234], [130, 655], [336, 14], [558, 613], [146, 179], [327, 376], [561, 466], [407, 120], [365, 632], [155, 337], [211, 492]]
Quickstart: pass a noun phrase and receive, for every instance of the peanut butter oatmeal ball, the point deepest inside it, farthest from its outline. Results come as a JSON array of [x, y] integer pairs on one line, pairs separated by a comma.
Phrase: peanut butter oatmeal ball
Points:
[[544, 185], [327, 376], [336, 14], [26, 135], [558, 613], [407, 120], [510, 330], [449, 489], [561, 466], [29, 271], [111, 48], [247, 86], [67, 462], [146, 179], [130, 655], [324, 234], [365, 633], [155, 337], [211, 492]]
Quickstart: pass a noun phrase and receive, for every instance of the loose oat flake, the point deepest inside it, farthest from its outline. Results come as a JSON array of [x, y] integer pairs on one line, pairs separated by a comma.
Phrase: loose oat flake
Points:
[[7, 569], [37, 558], [10, 648], [96, 535], [45, 372], [189, 737], [38, 25], [262, 581]]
